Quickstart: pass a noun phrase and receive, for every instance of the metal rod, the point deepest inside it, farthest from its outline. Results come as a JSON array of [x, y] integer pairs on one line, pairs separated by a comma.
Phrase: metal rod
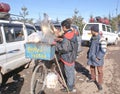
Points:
[[61, 73]]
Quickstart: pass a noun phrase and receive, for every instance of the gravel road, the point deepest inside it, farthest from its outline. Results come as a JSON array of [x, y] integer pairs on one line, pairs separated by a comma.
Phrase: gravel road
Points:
[[20, 83]]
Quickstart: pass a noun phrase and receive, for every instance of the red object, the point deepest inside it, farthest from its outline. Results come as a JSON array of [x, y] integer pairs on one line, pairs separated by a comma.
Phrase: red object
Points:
[[67, 63], [106, 21], [69, 35], [76, 31], [101, 20], [4, 7]]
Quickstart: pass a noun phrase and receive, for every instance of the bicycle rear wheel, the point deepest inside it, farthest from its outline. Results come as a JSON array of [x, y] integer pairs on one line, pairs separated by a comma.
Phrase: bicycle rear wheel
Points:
[[38, 79]]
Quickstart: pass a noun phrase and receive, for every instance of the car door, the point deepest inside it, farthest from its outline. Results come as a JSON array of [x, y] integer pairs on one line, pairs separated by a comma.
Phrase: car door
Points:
[[111, 35], [14, 50], [2, 48]]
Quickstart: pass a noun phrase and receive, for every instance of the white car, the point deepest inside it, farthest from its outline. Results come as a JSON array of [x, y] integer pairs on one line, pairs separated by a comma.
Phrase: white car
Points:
[[104, 30], [13, 35], [118, 33]]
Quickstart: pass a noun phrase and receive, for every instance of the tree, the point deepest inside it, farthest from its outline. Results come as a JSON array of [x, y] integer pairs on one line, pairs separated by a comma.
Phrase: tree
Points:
[[115, 23], [78, 20], [24, 13]]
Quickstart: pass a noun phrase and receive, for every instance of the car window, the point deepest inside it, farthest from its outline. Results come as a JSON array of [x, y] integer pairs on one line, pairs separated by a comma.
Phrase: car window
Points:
[[18, 32], [8, 34], [112, 31], [13, 32], [30, 29], [58, 27], [88, 26], [1, 37], [103, 28], [108, 29]]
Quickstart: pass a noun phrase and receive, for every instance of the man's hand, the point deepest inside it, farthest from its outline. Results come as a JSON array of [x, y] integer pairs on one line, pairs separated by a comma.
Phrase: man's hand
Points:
[[54, 43], [58, 39]]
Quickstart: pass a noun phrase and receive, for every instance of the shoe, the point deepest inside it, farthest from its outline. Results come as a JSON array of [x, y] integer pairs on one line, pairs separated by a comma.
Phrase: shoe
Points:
[[91, 80], [65, 90], [100, 87]]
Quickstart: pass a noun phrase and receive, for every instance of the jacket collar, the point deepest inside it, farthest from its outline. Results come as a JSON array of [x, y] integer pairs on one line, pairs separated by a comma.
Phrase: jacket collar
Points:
[[69, 34]]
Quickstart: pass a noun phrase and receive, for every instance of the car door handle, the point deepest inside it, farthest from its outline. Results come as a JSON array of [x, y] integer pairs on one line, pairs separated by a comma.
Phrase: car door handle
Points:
[[13, 51], [2, 53]]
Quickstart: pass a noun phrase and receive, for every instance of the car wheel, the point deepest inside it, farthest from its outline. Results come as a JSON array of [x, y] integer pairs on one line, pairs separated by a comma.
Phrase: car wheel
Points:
[[106, 41]]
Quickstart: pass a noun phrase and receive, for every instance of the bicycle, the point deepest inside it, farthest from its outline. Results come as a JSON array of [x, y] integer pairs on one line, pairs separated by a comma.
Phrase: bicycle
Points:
[[44, 53]]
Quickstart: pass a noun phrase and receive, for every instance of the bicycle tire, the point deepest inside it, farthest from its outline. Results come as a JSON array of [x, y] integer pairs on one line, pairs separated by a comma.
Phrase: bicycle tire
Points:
[[38, 79]]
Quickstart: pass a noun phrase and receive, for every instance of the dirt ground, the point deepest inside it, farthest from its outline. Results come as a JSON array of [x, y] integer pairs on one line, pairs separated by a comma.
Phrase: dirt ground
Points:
[[20, 83]]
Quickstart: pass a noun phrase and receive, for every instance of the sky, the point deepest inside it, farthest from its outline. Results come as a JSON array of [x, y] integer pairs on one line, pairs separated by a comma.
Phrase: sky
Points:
[[63, 9]]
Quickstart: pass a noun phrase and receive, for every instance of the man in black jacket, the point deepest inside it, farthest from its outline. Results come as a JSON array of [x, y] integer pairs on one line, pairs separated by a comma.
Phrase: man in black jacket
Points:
[[68, 52]]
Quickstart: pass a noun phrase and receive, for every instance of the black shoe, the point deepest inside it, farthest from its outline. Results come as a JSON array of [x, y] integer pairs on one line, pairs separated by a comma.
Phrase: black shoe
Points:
[[91, 80], [99, 87]]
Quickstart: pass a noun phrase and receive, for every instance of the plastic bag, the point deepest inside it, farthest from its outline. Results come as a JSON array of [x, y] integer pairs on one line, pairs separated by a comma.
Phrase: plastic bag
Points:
[[35, 37], [51, 80]]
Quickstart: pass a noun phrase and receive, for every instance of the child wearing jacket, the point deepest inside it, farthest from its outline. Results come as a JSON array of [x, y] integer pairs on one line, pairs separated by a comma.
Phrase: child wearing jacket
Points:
[[95, 57]]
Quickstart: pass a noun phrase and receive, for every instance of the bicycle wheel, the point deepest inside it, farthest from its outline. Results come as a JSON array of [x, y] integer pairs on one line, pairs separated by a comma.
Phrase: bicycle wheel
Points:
[[38, 79]]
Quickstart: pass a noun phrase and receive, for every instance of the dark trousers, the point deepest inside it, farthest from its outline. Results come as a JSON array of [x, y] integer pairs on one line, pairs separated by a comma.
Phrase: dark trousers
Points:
[[100, 73], [70, 76]]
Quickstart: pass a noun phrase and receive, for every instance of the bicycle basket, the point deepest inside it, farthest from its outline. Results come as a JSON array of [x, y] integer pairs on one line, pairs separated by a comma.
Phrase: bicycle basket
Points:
[[41, 51]]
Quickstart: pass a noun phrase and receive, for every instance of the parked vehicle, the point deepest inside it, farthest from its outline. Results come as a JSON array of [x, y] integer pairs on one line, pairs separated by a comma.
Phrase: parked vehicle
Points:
[[118, 33], [104, 30], [13, 35], [78, 37]]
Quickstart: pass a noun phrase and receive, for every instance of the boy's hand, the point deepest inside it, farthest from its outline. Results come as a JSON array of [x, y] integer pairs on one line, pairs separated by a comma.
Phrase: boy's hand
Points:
[[97, 59]]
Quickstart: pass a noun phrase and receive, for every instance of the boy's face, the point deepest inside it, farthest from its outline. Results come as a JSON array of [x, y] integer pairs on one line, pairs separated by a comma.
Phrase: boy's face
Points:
[[94, 33]]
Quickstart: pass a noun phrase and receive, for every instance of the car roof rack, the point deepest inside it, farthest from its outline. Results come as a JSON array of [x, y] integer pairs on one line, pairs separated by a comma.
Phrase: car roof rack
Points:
[[9, 17], [4, 15]]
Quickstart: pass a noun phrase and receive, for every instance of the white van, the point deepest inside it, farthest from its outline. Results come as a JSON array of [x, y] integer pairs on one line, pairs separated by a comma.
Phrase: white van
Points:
[[13, 35], [104, 30]]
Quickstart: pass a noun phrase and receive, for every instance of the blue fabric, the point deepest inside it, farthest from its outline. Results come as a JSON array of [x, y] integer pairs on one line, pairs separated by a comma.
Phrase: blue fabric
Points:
[[95, 52], [70, 74]]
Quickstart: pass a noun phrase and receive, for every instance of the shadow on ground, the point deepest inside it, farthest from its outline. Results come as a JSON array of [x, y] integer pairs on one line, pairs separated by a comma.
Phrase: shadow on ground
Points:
[[14, 86], [81, 69]]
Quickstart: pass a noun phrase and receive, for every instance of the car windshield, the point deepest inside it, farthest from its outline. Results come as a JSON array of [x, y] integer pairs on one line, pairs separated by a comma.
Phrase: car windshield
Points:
[[30, 29], [88, 26], [38, 28]]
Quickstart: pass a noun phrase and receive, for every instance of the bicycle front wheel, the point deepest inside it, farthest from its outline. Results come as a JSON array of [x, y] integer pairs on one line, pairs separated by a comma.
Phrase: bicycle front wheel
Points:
[[38, 79]]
